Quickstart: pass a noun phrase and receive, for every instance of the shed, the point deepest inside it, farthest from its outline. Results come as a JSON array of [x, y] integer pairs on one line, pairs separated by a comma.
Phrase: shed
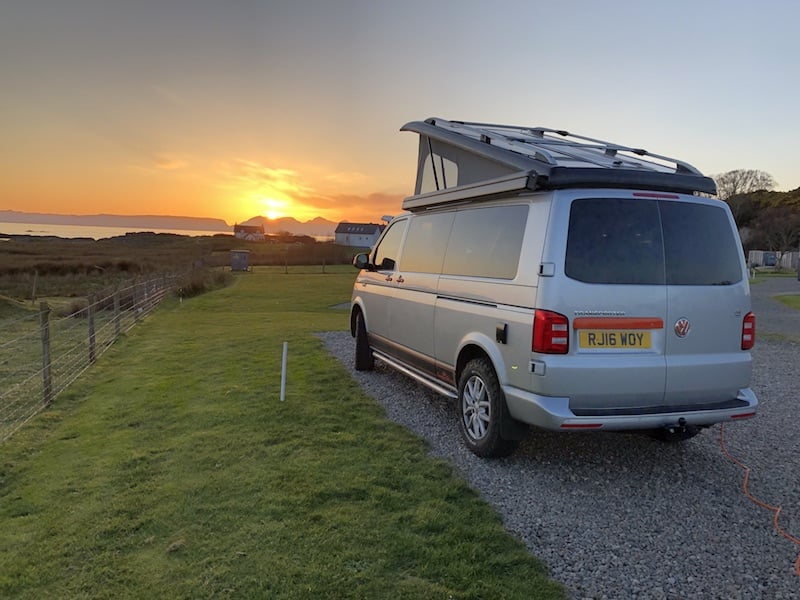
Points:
[[240, 260]]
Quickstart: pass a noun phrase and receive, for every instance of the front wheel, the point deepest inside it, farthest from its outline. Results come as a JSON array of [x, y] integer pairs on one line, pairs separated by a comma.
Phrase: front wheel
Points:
[[482, 411], [363, 359]]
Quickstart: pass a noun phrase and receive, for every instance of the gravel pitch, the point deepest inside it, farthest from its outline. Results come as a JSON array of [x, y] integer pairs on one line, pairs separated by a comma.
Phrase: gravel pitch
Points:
[[625, 516]]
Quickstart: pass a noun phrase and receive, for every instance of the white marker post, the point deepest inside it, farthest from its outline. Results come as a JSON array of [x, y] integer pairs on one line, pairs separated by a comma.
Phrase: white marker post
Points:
[[283, 371]]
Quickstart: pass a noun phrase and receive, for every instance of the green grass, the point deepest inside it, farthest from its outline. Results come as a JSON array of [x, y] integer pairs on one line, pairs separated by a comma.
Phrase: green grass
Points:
[[790, 300], [764, 275], [172, 470], [47, 266]]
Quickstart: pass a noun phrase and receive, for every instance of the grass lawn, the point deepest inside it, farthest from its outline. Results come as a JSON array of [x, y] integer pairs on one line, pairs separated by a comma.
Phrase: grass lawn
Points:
[[790, 300], [762, 276], [172, 470]]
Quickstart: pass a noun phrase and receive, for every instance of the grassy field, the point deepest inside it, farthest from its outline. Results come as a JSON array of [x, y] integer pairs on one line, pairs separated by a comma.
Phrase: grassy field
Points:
[[50, 266], [172, 470], [765, 275], [792, 301]]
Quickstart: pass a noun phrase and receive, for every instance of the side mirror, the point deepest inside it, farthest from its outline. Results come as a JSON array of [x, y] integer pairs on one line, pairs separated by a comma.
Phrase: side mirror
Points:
[[361, 261]]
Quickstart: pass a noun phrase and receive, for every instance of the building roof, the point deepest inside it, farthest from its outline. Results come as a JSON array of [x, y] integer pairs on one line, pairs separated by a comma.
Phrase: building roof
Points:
[[359, 228], [248, 228]]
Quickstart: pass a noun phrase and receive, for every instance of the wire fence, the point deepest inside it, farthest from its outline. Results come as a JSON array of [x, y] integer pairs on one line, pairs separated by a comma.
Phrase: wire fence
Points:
[[41, 354]]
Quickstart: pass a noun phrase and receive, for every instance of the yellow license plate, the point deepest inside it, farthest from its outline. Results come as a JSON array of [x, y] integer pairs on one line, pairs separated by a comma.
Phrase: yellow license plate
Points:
[[614, 339]]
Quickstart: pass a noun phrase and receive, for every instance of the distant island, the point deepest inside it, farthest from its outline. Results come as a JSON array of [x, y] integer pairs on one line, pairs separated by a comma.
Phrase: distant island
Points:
[[315, 227]]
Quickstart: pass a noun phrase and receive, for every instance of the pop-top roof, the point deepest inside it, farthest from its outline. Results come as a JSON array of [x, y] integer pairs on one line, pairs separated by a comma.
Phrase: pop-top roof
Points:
[[508, 157]]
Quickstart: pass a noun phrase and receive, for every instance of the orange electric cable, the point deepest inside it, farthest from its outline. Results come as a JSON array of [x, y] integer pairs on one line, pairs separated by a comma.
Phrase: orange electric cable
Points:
[[776, 510]]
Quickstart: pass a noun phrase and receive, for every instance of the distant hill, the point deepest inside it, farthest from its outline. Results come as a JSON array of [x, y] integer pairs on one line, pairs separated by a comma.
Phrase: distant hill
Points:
[[315, 227], [103, 220]]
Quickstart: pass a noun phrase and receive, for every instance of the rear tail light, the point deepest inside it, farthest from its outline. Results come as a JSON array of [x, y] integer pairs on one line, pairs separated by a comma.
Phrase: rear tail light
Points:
[[748, 331], [550, 333], [744, 415]]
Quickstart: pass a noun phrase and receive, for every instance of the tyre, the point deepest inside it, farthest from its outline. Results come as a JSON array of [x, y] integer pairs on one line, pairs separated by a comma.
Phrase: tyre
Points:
[[482, 411], [363, 359]]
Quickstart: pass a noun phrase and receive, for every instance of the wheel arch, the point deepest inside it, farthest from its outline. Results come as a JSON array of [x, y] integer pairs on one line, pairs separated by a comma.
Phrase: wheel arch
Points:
[[354, 311], [479, 347]]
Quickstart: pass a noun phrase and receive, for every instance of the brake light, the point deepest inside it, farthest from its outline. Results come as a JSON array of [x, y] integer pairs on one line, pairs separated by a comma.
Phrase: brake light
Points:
[[748, 331], [550, 332], [655, 195]]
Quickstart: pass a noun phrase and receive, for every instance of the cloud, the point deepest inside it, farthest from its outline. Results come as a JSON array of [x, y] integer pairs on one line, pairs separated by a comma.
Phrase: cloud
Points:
[[351, 179], [169, 163], [255, 182], [259, 179], [353, 207], [169, 96]]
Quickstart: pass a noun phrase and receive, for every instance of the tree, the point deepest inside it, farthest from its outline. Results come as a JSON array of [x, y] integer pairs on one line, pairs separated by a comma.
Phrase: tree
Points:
[[778, 229], [744, 208], [742, 181]]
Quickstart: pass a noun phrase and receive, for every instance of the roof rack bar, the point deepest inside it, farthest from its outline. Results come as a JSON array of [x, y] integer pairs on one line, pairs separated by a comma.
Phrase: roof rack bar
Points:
[[528, 140]]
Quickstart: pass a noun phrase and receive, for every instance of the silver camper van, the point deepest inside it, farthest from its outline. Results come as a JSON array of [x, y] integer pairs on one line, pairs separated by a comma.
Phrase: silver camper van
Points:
[[550, 279]]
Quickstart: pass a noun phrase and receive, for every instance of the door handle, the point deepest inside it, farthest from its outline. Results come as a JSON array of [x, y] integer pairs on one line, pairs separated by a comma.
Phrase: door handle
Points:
[[400, 279], [388, 278]]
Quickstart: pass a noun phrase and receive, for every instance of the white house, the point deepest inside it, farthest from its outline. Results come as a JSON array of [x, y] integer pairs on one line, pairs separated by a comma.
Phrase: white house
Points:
[[251, 233], [359, 235]]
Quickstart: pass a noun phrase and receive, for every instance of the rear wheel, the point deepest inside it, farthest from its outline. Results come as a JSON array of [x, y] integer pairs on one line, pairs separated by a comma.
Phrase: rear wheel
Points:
[[363, 359], [482, 411]]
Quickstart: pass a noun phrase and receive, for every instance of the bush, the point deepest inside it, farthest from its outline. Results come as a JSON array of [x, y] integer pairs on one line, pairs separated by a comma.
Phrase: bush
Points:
[[199, 281]]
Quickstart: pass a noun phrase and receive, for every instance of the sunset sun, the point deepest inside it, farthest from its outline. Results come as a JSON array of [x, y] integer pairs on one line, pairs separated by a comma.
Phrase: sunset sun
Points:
[[274, 208]]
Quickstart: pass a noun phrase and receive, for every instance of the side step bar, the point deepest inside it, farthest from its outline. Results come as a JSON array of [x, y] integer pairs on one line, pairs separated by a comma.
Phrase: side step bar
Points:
[[437, 387]]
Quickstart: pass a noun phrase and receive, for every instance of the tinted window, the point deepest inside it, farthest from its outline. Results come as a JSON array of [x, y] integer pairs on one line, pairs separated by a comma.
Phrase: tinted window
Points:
[[388, 249], [615, 241], [426, 242], [650, 242], [486, 242], [699, 245]]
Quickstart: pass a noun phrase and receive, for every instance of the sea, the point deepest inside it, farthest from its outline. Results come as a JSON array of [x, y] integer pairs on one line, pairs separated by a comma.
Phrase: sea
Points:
[[91, 231]]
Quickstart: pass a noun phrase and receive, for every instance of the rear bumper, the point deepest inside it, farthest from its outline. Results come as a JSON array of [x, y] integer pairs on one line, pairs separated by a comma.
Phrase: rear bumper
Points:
[[554, 413]]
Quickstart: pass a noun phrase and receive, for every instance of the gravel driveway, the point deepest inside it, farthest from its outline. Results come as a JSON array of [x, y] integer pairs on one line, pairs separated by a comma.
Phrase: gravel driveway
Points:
[[624, 516]]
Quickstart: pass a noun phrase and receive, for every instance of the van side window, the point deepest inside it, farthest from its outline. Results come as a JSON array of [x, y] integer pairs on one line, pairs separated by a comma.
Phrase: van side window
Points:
[[486, 242], [388, 250], [426, 243]]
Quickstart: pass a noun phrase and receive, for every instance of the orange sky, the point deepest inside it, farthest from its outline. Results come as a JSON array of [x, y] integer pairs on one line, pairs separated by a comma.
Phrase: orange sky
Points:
[[239, 108]]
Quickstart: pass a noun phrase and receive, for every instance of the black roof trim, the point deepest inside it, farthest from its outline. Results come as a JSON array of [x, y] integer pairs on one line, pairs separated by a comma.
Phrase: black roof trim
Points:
[[568, 177]]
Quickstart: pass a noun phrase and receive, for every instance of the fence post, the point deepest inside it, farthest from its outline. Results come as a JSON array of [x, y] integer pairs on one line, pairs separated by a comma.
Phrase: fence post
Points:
[[35, 281], [44, 325], [90, 315]]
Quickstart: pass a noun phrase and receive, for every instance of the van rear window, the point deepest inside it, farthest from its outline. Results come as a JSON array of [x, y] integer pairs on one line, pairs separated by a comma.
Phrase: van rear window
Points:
[[651, 242]]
